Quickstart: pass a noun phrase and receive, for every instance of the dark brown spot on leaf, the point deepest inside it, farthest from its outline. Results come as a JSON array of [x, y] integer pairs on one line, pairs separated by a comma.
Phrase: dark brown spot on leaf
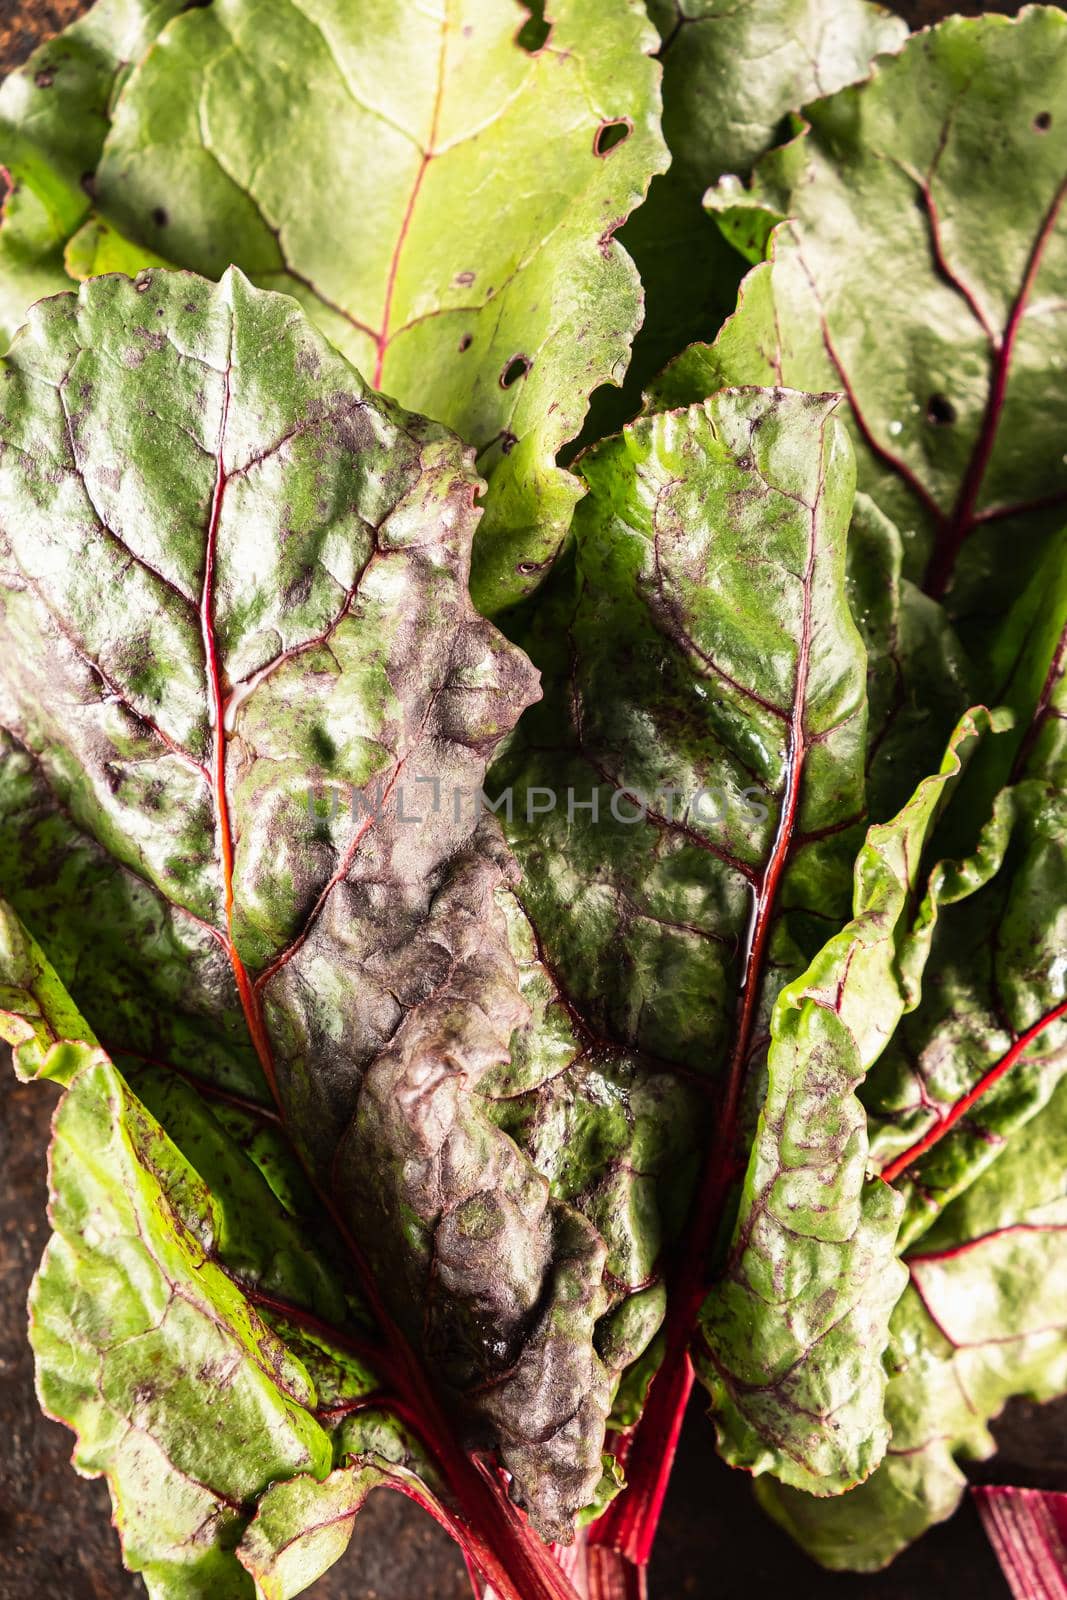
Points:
[[606, 239]]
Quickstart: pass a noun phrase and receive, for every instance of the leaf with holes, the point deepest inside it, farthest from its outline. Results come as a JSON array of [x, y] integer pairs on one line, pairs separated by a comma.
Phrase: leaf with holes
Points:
[[227, 575], [469, 267], [730, 74], [889, 282]]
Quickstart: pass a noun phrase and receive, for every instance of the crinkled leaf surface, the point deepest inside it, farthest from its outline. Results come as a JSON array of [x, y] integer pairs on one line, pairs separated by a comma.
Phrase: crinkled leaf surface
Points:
[[683, 800], [227, 571], [598, 1123], [796, 1328], [966, 1117], [982, 1320], [684, 704], [730, 74], [440, 193], [54, 116], [985, 1049], [919, 679], [176, 1324], [922, 271], [608, 1127]]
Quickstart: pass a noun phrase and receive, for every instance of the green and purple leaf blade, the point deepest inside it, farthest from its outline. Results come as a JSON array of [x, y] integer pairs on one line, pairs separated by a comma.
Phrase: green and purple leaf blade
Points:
[[889, 282], [440, 192], [795, 1330]]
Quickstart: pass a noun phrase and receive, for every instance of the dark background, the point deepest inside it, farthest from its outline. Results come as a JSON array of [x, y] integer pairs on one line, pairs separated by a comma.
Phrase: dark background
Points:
[[714, 1543]]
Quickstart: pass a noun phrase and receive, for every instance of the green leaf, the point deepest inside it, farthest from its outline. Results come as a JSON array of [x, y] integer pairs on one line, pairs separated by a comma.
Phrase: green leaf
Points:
[[797, 1326], [686, 800], [110, 935], [266, 1212], [965, 1116], [179, 1319], [919, 681], [177, 1322], [982, 1321], [48, 1036], [176, 1387], [730, 74], [228, 571], [440, 194], [987, 1047], [302, 1527], [97, 248], [54, 115], [927, 283], [680, 683], [598, 1125]]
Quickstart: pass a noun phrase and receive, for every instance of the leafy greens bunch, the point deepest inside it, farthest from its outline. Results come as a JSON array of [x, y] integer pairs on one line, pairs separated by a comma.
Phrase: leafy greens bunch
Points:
[[408, 1145]]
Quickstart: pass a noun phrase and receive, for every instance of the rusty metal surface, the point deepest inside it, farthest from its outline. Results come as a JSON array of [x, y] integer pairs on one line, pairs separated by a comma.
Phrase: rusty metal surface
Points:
[[55, 1532]]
